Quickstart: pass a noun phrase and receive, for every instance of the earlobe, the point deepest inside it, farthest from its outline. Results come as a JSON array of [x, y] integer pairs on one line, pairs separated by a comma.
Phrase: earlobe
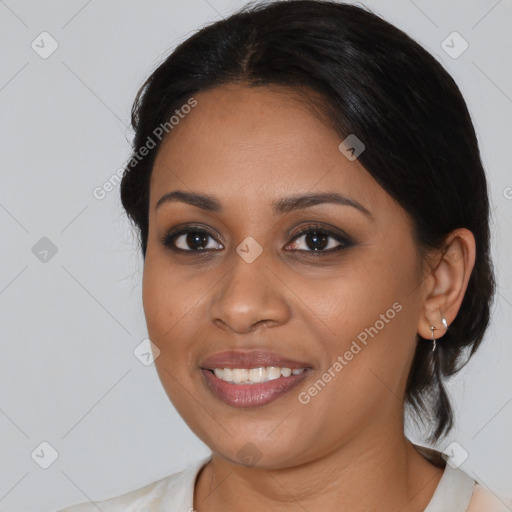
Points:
[[448, 281]]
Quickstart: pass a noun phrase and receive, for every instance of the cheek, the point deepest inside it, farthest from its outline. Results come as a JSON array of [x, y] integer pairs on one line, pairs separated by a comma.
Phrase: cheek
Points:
[[168, 299], [169, 307], [350, 297], [368, 315]]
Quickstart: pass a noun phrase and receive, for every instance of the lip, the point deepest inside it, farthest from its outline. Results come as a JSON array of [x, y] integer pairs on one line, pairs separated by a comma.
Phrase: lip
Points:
[[250, 359], [251, 395]]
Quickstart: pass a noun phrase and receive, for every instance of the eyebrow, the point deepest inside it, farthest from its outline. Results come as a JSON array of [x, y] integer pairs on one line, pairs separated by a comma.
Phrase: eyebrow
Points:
[[279, 206]]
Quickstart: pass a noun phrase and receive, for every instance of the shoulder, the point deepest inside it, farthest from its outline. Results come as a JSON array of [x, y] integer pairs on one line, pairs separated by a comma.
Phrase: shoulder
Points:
[[149, 495], [164, 494], [483, 500], [457, 490]]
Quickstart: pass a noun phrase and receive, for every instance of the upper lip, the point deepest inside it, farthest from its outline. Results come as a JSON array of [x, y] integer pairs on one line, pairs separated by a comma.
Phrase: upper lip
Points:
[[250, 359]]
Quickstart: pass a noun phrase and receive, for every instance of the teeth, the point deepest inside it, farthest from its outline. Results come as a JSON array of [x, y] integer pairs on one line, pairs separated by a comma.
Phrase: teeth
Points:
[[239, 375], [286, 372], [254, 375], [273, 372], [257, 374]]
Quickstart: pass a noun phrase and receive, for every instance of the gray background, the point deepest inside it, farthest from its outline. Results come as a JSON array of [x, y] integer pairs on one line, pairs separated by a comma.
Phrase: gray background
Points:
[[71, 322]]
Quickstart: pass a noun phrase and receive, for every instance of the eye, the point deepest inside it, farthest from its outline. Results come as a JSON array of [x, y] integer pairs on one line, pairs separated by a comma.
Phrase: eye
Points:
[[317, 239], [314, 239], [191, 239]]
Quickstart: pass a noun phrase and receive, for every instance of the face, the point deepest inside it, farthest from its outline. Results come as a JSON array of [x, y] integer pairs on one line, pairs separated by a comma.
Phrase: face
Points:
[[328, 286]]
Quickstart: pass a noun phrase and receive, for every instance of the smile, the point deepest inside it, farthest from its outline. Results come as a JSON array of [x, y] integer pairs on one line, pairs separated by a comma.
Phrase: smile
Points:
[[254, 375], [248, 393]]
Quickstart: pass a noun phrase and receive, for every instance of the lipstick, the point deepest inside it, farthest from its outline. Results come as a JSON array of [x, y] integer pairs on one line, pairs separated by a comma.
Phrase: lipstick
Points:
[[227, 376]]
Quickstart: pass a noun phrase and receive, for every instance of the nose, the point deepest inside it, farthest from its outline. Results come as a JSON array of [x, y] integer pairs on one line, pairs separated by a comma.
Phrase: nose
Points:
[[250, 296]]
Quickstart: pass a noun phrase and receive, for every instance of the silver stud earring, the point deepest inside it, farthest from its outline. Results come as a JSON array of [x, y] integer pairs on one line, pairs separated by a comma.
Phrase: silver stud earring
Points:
[[432, 329]]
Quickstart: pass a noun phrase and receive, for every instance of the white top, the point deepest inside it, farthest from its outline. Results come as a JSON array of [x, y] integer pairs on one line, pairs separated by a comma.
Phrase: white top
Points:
[[456, 492]]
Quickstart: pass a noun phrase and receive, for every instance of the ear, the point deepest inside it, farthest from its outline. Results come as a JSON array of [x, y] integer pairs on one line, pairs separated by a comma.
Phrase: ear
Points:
[[447, 282]]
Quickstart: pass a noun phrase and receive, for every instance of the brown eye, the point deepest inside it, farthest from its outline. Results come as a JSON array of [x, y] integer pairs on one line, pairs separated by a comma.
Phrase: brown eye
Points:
[[190, 240], [317, 239]]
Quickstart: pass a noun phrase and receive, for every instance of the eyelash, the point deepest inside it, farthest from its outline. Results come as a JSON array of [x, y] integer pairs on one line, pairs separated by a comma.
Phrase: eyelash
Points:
[[169, 238]]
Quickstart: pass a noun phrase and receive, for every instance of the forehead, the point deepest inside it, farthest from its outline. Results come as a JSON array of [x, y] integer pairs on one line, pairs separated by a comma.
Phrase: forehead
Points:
[[250, 143]]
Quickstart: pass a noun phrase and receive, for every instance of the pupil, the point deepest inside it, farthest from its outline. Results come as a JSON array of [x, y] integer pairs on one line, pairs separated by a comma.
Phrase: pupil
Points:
[[197, 240], [318, 240]]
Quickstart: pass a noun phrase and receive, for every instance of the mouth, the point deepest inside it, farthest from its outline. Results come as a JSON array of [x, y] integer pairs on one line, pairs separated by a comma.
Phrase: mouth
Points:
[[251, 379]]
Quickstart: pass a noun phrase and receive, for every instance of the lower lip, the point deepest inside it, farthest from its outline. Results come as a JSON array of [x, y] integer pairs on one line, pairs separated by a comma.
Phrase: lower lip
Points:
[[252, 395]]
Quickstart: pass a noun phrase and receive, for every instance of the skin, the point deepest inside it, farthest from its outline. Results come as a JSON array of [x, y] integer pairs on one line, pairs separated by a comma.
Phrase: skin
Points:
[[346, 448]]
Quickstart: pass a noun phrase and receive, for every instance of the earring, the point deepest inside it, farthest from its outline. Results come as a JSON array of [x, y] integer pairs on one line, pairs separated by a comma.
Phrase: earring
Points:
[[432, 329]]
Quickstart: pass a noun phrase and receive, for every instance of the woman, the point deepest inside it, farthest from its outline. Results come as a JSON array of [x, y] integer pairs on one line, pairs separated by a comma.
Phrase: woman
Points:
[[313, 217]]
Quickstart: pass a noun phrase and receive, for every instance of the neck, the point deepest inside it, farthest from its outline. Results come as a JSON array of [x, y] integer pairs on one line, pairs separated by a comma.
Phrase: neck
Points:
[[373, 472]]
